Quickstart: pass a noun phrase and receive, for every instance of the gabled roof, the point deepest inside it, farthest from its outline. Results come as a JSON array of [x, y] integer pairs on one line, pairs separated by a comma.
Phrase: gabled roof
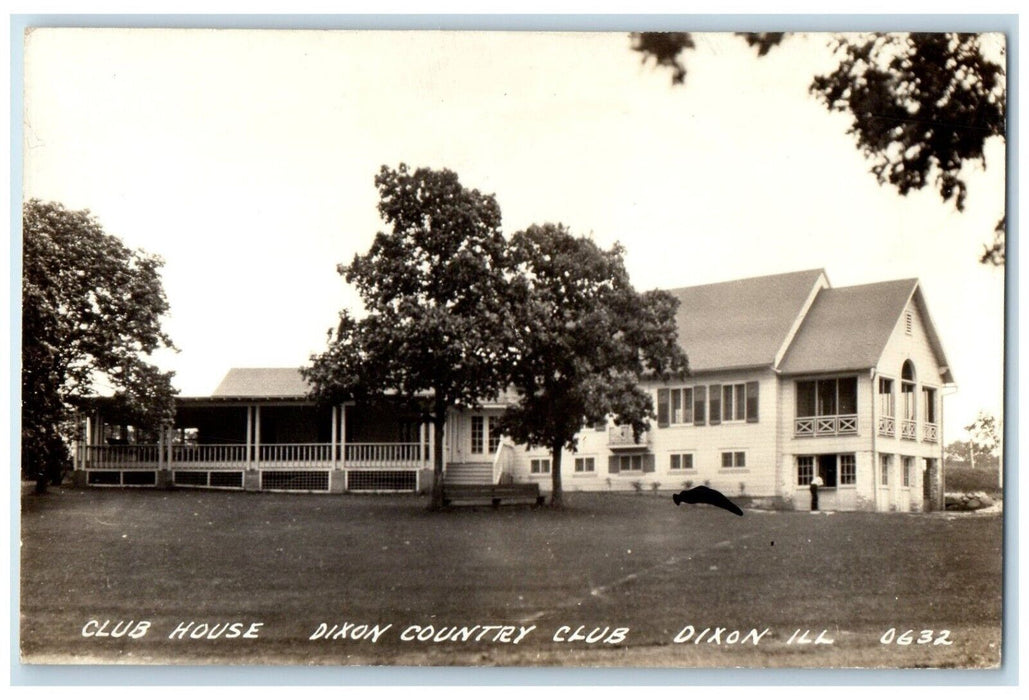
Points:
[[743, 323], [262, 383], [847, 328]]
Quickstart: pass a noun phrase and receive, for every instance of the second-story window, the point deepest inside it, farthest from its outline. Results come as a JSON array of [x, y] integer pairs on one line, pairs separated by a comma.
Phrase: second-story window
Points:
[[826, 407]]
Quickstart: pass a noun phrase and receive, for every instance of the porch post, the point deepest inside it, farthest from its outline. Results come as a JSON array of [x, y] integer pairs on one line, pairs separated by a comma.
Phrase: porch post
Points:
[[421, 443], [343, 435], [88, 440], [250, 437], [335, 426], [257, 435], [432, 447]]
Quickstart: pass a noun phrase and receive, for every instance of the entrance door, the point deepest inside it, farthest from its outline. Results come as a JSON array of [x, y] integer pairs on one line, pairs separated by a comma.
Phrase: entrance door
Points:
[[827, 469]]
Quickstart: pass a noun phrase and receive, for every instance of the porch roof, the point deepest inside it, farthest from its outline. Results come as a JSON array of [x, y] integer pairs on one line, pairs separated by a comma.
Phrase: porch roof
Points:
[[742, 323], [262, 383]]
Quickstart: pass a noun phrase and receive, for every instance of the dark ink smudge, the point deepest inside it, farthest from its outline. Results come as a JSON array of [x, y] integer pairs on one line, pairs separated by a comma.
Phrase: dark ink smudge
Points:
[[704, 494]]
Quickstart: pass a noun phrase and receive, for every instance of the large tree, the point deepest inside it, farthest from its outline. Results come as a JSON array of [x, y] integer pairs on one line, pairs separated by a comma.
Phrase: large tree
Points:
[[437, 327], [922, 105], [91, 316], [586, 338]]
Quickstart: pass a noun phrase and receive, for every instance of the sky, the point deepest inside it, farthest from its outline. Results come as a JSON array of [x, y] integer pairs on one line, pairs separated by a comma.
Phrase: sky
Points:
[[246, 160]]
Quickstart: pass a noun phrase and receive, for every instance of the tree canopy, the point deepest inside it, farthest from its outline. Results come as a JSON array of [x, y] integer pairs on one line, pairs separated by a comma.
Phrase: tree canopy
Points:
[[437, 323], [922, 105], [586, 338], [91, 314]]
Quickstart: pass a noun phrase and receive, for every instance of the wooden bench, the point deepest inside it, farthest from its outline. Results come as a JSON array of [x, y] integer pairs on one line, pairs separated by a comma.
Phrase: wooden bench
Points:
[[493, 494]]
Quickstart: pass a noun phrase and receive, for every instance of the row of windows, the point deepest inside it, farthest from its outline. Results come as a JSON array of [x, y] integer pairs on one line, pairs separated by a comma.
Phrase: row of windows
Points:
[[683, 461], [841, 469], [909, 406], [907, 466], [833, 469], [827, 397], [712, 404]]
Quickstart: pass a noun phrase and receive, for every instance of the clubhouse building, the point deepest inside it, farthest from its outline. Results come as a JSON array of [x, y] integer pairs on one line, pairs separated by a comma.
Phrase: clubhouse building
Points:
[[790, 378]]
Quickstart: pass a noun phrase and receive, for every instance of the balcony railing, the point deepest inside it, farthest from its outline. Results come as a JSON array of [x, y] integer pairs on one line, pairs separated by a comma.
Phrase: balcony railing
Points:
[[621, 436], [908, 430], [930, 432], [817, 426], [887, 426]]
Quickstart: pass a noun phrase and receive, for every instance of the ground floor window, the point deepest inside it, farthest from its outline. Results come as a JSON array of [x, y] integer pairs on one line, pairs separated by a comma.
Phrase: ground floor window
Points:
[[885, 465], [539, 466], [805, 470], [734, 460], [585, 465], [630, 463], [848, 470], [679, 462], [907, 463]]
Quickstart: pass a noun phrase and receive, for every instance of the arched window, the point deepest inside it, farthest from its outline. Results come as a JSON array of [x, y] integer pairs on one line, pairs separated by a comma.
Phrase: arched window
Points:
[[907, 372], [907, 395]]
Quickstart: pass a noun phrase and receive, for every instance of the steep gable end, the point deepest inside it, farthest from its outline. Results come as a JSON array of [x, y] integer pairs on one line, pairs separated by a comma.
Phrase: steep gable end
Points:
[[914, 338], [847, 328]]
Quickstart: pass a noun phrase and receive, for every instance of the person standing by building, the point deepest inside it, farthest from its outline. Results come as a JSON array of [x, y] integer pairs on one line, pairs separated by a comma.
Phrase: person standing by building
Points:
[[815, 483]]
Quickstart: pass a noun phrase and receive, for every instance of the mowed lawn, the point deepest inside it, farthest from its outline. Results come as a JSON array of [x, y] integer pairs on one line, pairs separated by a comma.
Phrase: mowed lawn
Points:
[[633, 561]]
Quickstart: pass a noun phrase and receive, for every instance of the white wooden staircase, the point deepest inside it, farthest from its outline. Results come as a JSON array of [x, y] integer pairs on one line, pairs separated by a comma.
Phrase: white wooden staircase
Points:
[[468, 473]]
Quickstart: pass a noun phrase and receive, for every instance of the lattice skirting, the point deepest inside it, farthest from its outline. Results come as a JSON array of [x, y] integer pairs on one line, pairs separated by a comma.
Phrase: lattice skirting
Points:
[[208, 479], [382, 480], [118, 477], [294, 480]]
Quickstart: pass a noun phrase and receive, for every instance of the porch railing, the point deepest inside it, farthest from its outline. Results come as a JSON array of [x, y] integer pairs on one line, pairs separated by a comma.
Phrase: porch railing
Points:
[[502, 460], [930, 432], [887, 426], [120, 456], [367, 455], [295, 454], [383, 454], [815, 426], [206, 455]]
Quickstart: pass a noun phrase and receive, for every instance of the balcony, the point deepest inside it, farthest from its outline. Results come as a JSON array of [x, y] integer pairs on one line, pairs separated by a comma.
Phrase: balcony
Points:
[[821, 426], [621, 437], [908, 430], [930, 432], [887, 426]]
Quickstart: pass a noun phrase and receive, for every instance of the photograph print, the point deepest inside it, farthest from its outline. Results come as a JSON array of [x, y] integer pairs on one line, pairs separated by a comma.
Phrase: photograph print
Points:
[[478, 348]]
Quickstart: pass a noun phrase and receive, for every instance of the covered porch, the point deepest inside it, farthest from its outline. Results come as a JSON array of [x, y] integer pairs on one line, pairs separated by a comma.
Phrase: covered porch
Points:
[[266, 445]]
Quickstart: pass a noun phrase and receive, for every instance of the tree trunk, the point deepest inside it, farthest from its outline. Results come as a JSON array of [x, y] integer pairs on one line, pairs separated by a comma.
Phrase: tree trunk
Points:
[[439, 421], [557, 493]]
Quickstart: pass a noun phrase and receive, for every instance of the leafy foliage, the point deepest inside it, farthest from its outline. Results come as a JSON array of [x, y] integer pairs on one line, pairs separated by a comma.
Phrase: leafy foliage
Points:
[[436, 295], [586, 337], [91, 311], [985, 433], [922, 105]]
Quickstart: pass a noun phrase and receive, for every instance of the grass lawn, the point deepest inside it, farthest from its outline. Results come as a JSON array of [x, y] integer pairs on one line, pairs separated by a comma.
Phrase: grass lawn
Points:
[[292, 562]]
